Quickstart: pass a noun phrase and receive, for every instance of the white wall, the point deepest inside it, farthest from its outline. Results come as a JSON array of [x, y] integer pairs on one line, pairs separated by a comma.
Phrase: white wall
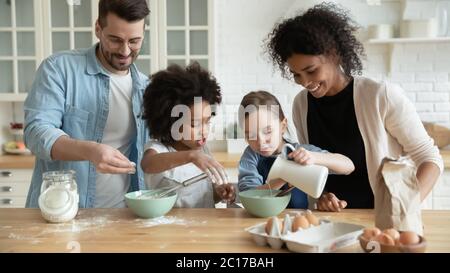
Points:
[[240, 67], [421, 69]]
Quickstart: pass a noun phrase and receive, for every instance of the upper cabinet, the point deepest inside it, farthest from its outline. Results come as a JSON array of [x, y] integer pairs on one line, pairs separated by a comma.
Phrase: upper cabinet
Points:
[[186, 31], [20, 46], [177, 31], [69, 26]]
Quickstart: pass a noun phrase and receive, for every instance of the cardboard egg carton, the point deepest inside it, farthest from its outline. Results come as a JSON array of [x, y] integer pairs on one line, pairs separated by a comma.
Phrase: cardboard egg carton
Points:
[[328, 236]]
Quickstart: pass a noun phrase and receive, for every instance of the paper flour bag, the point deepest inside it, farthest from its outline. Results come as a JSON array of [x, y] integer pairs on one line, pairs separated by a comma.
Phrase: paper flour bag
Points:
[[397, 199]]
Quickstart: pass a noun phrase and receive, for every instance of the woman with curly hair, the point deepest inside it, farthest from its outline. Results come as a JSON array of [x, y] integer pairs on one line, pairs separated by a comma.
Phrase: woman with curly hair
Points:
[[345, 113], [177, 151]]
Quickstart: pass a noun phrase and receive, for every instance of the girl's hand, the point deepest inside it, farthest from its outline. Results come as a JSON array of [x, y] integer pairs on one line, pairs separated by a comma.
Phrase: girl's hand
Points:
[[329, 202], [226, 192], [210, 166], [303, 157]]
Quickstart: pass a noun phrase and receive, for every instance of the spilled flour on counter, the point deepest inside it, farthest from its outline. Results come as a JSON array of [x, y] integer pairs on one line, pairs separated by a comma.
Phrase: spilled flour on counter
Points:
[[164, 220], [33, 234], [41, 233], [32, 240], [78, 226]]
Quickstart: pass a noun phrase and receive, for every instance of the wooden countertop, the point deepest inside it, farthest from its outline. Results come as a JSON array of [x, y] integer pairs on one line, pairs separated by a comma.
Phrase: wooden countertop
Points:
[[181, 230], [16, 161], [27, 161], [227, 160]]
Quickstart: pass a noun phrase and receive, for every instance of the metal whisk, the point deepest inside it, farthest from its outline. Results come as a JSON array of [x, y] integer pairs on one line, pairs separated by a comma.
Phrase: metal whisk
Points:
[[170, 189]]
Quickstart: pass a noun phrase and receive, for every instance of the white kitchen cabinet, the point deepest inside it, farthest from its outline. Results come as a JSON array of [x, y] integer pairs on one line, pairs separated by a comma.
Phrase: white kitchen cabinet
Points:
[[14, 185], [68, 26], [178, 31], [186, 32], [20, 47]]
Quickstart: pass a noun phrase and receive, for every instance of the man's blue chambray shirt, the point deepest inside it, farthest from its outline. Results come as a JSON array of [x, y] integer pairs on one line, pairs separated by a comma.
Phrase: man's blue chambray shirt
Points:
[[70, 96]]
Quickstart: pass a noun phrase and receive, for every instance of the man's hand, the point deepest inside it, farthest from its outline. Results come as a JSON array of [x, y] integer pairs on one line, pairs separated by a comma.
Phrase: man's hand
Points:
[[105, 158], [109, 160]]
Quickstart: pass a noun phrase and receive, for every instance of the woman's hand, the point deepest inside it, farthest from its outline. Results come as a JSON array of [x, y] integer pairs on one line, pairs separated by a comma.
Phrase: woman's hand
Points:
[[303, 157], [329, 202], [210, 166], [226, 192]]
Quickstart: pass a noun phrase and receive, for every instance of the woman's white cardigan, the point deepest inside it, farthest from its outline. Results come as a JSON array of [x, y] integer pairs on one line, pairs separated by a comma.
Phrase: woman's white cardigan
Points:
[[388, 122]]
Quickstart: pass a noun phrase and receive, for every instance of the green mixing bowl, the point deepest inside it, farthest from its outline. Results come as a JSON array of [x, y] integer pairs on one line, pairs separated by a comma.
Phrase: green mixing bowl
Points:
[[263, 203], [150, 207]]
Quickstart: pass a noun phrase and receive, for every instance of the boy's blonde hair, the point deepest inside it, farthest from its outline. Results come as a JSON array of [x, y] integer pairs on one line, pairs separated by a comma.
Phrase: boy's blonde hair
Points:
[[257, 99]]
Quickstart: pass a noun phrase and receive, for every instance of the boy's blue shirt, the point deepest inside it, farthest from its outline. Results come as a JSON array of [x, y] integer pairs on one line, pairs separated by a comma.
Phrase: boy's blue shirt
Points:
[[254, 169]]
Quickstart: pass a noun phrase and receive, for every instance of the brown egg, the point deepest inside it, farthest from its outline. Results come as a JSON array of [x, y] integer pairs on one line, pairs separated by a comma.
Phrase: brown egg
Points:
[[393, 233], [313, 220], [300, 221], [408, 238], [270, 223], [370, 233], [384, 239]]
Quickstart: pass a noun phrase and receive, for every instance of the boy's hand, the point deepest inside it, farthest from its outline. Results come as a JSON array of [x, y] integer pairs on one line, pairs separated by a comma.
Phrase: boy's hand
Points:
[[226, 192], [329, 202], [210, 166], [303, 157]]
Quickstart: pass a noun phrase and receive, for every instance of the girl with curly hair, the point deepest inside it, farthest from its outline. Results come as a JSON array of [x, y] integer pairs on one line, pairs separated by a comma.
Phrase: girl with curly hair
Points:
[[345, 113], [177, 151]]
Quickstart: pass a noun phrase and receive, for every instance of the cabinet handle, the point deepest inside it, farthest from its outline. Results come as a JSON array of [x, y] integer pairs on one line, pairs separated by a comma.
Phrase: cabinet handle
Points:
[[7, 189], [7, 201], [6, 173]]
